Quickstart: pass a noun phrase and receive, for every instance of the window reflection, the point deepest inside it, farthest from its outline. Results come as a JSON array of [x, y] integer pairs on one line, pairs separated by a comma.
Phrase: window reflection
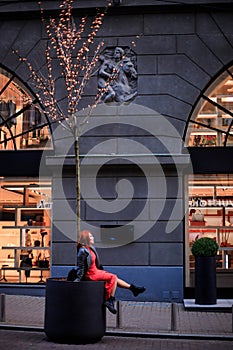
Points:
[[23, 124], [211, 122]]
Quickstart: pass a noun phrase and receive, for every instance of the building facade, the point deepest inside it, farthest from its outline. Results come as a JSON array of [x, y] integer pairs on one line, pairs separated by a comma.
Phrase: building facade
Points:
[[156, 148]]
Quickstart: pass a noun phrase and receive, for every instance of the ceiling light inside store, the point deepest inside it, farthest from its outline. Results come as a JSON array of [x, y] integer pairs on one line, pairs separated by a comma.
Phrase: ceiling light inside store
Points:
[[229, 82], [203, 132], [227, 99]]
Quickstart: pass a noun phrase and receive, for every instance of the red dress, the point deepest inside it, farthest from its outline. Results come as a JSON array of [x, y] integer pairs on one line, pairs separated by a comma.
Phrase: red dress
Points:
[[94, 274]]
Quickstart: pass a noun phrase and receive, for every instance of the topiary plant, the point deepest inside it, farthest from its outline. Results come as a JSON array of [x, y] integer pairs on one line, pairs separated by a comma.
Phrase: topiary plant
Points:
[[204, 246]]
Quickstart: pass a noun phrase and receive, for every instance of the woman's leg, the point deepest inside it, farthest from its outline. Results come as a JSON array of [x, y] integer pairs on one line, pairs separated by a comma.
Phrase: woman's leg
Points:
[[109, 303], [134, 289], [114, 289], [122, 284]]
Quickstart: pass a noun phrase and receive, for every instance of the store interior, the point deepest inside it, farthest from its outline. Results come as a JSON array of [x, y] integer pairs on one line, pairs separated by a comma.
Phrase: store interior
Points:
[[211, 215], [25, 213], [211, 121]]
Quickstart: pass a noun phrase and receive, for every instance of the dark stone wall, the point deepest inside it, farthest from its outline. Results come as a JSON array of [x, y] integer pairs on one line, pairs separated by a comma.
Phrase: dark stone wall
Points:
[[179, 52]]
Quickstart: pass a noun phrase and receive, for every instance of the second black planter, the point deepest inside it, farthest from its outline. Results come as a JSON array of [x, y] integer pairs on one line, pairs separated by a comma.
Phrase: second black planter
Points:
[[205, 280]]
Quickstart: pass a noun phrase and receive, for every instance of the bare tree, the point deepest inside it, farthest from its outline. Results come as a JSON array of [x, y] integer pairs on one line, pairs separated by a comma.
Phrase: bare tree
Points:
[[73, 50]]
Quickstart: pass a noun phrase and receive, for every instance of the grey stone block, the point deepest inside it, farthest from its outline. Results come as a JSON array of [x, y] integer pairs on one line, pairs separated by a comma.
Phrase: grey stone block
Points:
[[64, 209], [214, 23], [158, 233], [149, 45], [184, 68], [169, 187], [131, 254], [166, 105], [125, 210], [27, 36], [9, 32], [64, 231], [193, 47], [166, 209], [64, 254], [147, 64], [118, 26], [166, 254], [168, 84], [94, 188], [64, 188], [169, 23]]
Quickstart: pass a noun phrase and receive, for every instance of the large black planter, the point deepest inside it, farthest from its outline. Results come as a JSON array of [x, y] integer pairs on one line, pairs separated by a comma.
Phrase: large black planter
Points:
[[205, 280], [74, 311]]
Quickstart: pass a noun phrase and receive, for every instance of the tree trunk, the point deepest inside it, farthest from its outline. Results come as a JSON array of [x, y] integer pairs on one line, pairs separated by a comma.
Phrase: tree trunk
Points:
[[78, 190]]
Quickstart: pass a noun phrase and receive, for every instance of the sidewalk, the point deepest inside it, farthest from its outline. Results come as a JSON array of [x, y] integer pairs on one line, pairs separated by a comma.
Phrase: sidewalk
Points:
[[133, 317]]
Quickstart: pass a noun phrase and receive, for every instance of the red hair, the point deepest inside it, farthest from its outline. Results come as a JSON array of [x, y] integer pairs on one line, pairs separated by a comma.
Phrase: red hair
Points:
[[84, 238]]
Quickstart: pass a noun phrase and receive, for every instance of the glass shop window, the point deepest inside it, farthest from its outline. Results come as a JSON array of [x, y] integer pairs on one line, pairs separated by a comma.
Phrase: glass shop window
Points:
[[211, 215], [23, 124], [25, 230]]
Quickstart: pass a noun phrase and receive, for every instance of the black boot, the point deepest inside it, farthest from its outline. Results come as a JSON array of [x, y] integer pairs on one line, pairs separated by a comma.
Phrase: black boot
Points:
[[109, 303], [136, 290]]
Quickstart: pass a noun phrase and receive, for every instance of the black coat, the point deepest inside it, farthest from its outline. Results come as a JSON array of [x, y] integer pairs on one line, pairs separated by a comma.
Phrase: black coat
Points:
[[84, 262]]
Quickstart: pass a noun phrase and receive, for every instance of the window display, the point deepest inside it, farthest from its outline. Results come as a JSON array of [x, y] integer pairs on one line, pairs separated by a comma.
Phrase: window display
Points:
[[211, 215], [25, 227]]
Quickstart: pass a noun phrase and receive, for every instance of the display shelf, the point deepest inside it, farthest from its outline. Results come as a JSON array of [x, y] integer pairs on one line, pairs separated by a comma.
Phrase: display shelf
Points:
[[32, 212], [16, 257], [40, 221], [21, 207], [26, 248], [26, 227], [20, 269]]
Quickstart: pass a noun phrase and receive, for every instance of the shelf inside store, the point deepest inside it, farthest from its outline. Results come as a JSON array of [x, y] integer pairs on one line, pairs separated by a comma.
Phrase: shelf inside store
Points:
[[26, 248], [28, 206], [26, 227]]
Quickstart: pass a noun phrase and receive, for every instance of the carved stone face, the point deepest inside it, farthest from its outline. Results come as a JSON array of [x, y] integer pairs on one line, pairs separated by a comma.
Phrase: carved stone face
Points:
[[118, 53], [128, 66]]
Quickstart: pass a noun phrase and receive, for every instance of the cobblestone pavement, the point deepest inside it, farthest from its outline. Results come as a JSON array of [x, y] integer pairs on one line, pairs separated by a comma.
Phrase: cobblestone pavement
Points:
[[139, 325], [152, 317], [19, 340]]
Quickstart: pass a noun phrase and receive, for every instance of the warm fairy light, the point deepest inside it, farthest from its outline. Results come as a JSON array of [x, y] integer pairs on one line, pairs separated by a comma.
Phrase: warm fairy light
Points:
[[67, 45]]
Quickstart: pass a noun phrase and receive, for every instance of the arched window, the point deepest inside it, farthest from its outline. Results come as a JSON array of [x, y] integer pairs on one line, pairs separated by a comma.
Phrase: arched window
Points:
[[23, 124], [212, 119]]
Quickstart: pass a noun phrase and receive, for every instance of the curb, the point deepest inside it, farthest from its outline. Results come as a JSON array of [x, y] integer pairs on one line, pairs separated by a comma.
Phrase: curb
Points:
[[170, 335]]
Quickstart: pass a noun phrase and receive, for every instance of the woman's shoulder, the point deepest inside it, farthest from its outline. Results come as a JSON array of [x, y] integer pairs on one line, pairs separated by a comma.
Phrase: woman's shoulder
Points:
[[82, 250]]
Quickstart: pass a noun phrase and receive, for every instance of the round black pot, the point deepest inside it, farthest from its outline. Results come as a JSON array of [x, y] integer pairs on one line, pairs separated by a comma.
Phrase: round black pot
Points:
[[74, 311], [205, 280]]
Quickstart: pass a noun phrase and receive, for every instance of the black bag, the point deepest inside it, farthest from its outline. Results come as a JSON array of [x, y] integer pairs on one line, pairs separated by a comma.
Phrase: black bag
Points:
[[23, 256], [72, 275], [26, 263], [42, 264]]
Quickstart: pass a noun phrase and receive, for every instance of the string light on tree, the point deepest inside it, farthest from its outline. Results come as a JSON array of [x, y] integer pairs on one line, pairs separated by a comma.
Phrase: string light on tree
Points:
[[78, 56]]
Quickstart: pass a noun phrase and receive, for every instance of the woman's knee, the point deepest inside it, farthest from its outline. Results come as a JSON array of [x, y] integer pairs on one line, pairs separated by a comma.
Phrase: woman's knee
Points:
[[115, 278]]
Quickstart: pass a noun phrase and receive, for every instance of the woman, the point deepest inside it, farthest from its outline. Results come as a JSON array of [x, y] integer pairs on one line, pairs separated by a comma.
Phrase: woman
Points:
[[90, 269]]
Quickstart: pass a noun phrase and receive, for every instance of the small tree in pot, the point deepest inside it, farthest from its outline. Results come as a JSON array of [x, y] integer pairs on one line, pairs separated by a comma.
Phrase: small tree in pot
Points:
[[73, 312], [204, 251]]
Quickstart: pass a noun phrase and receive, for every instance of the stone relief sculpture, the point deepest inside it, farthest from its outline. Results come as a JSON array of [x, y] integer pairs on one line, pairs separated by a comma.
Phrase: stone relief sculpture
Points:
[[118, 75]]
